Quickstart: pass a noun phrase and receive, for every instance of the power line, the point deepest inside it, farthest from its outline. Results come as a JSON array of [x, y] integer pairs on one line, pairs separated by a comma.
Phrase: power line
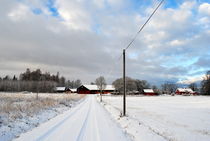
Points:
[[118, 59], [144, 25]]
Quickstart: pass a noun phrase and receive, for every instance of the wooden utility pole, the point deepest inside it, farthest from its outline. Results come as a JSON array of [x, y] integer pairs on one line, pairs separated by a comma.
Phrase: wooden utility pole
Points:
[[124, 85], [101, 94]]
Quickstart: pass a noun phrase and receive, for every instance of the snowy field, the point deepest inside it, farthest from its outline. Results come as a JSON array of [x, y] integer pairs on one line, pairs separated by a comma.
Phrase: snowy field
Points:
[[22, 112], [163, 118]]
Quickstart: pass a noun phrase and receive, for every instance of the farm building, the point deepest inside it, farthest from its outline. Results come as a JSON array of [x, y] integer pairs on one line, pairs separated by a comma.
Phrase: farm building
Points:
[[60, 89], [149, 92], [93, 89], [181, 91], [65, 90], [73, 90], [69, 90]]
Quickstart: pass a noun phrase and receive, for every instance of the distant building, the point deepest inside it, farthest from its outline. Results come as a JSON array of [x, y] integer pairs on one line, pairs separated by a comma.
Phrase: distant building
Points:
[[65, 90], [69, 90], [73, 90], [93, 89], [149, 92], [60, 89], [182, 91]]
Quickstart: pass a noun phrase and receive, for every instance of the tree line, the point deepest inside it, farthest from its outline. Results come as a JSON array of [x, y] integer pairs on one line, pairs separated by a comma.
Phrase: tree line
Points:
[[36, 81], [137, 85]]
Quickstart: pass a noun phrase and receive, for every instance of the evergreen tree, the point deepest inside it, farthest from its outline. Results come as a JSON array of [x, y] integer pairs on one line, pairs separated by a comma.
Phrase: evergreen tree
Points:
[[14, 78]]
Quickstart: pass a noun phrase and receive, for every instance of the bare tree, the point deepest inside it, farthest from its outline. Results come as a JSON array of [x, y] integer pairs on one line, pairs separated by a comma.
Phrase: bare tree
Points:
[[101, 84], [77, 83], [168, 87]]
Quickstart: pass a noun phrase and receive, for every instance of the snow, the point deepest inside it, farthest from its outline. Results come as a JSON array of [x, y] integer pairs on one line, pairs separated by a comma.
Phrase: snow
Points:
[[163, 118], [148, 90], [185, 90], [157, 118], [73, 90], [95, 87], [88, 121], [13, 123], [60, 88]]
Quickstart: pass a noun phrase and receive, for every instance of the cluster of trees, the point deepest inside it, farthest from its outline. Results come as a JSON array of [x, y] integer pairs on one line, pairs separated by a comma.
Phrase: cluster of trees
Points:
[[205, 84], [168, 88], [73, 84], [35, 81], [37, 75], [131, 85], [32, 86]]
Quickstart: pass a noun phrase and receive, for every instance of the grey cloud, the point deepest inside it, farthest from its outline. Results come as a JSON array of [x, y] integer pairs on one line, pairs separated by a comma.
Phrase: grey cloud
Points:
[[203, 62], [45, 42]]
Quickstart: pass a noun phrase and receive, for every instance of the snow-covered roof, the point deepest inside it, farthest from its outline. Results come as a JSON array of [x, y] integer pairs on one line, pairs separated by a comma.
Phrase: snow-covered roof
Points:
[[185, 90], [109, 87], [148, 90], [73, 90], [94, 87], [60, 88]]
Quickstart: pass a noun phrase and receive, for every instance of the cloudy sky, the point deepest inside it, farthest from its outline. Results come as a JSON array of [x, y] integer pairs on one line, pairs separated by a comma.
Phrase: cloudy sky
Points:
[[84, 38]]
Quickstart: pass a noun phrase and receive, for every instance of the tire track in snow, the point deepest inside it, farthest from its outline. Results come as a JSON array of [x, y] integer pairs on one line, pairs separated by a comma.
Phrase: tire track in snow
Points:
[[96, 123], [45, 135], [84, 125], [91, 122]]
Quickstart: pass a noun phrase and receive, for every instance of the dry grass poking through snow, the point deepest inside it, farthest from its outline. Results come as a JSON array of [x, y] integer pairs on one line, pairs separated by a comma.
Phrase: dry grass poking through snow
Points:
[[21, 112], [18, 105]]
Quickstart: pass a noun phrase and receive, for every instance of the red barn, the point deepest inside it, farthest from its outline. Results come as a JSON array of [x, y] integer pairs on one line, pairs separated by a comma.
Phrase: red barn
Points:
[[93, 89], [149, 92], [181, 91]]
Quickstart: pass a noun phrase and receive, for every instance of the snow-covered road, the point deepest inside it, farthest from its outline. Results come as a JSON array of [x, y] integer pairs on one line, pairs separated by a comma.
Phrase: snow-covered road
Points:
[[88, 121]]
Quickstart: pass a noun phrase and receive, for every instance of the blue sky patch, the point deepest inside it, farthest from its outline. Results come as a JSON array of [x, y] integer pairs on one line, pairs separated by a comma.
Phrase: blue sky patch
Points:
[[37, 11], [51, 7], [172, 3], [96, 28]]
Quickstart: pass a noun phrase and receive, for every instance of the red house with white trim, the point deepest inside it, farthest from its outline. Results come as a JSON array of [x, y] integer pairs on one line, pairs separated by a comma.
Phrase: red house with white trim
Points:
[[93, 89], [149, 92], [181, 91]]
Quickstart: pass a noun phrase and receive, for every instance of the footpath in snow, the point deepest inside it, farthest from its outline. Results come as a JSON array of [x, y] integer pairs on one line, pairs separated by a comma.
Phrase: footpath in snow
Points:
[[88, 121]]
